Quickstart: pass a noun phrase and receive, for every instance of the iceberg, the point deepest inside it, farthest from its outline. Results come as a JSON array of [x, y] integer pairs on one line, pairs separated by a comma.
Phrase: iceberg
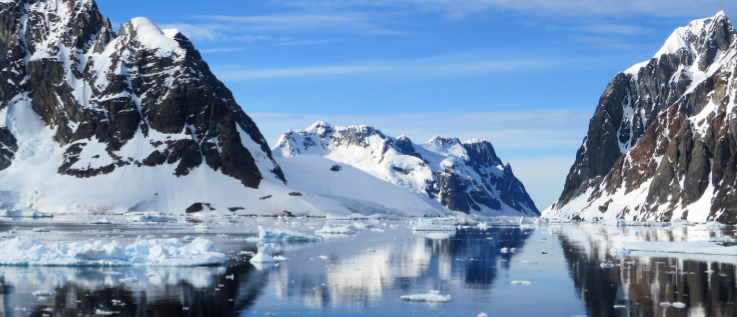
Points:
[[282, 236], [432, 297], [142, 253], [138, 217], [336, 230], [520, 283], [265, 255], [25, 213], [437, 235]]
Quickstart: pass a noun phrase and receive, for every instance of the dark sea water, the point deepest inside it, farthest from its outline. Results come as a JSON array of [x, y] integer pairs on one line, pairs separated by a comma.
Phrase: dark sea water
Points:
[[561, 261]]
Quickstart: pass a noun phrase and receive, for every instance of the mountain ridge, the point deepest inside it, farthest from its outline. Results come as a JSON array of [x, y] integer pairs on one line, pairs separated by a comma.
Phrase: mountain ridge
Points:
[[662, 135]]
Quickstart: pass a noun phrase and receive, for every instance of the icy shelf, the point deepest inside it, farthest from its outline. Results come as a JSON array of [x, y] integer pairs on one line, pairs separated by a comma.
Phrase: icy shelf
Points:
[[143, 252]]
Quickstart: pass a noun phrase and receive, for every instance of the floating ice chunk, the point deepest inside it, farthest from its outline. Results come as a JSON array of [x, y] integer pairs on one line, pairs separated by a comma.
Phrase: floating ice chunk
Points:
[[324, 257], [665, 304], [504, 250], [42, 229], [621, 252], [482, 226], [265, 255], [44, 293], [159, 252], [433, 297], [432, 227], [370, 250], [679, 305], [187, 238], [615, 222], [692, 247], [336, 230], [607, 264], [143, 217], [282, 236], [128, 280], [101, 222], [482, 315], [714, 224], [437, 236], [25, 213], [520, 283], [103, 312]]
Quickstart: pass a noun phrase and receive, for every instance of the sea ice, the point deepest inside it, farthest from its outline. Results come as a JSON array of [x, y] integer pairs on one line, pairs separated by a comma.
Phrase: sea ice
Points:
[[336, 230], [43, 293], [693, 247], [679, 305], [437, 236], [433, 296], [282, 236], [149, 217], [42, 229], [520, 283], [265, 255], [158, 252], [101, 222], [25, 213]]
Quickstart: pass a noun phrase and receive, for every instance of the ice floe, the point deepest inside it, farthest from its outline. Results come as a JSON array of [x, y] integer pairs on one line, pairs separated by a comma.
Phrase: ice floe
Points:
[[144, 217], [692, 247], [265, 254], [520, 283], [25, 213], [433, 297], [336, 230], [143, 252], [282, 236]]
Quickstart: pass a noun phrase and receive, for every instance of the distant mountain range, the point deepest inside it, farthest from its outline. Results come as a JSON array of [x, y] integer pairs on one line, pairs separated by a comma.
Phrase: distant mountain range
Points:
[[662, 144], [97, 121]]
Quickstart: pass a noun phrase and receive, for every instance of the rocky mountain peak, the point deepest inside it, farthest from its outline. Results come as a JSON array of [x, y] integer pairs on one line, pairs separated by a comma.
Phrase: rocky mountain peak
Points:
[[142, 98], [659, 145], [462, 176], [702, 40]]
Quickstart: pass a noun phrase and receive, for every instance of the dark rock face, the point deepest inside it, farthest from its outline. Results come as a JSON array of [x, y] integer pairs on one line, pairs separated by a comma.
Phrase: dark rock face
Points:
[[476, 182], [658, 132], [96, 88]]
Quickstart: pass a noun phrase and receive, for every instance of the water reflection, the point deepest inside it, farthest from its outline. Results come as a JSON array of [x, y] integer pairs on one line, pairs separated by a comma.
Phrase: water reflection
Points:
[[640, 282]]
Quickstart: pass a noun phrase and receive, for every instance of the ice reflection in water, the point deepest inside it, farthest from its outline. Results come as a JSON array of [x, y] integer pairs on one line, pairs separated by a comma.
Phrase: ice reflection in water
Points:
[[561, 261], [640, 282]]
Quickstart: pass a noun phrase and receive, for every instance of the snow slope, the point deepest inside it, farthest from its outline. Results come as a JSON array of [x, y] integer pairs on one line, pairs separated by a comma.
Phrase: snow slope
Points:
[[97, 121], [465, 177], [660, 146]]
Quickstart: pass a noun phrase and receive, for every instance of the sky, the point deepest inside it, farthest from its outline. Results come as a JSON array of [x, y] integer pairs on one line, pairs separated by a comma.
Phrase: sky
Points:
[[525, 75]]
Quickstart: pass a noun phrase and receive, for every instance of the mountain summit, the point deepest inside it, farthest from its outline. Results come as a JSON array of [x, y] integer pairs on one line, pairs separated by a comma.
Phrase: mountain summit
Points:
[[662, 142], [465, 177], [94, 120]]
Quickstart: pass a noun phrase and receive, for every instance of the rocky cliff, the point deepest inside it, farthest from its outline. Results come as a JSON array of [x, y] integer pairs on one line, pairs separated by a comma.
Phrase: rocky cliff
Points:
[[96, 120], [662, 143]]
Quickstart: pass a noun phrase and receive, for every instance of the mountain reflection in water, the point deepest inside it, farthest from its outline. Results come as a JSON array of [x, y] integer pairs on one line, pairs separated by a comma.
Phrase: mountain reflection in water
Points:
[[365, 274]]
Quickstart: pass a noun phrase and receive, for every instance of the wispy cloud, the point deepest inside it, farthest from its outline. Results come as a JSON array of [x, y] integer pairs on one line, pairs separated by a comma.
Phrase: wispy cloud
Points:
[[221, 50], [408, 69], [455, 9], [347, 22]]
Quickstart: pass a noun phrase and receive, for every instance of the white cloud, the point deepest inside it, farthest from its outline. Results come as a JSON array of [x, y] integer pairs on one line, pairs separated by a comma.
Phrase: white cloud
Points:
[[304, 22], [540, 145], [455, 9], [405, 69]]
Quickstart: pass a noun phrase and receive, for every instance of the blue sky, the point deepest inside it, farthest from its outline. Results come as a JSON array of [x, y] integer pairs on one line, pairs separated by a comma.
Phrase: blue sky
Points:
[[525, 75]]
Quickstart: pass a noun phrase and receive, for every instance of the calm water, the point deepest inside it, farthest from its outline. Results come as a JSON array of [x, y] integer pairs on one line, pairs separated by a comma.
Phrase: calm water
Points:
[[561, 261]]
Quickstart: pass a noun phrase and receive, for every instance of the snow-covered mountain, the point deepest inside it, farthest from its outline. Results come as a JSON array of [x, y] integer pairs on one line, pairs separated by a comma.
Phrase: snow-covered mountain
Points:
[[94, 120], [662, 143], [447, 174]]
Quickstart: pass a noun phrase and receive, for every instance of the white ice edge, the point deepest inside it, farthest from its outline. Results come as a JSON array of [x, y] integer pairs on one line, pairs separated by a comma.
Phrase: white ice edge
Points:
[[141, 253]]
